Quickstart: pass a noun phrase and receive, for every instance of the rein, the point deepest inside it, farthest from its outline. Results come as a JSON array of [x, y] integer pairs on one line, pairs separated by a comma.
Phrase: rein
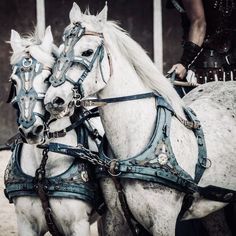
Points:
[[104, 101]]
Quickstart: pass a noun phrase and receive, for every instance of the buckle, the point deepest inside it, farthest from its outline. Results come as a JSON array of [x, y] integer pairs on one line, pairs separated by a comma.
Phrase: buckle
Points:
[[57, 134], [89, 103]]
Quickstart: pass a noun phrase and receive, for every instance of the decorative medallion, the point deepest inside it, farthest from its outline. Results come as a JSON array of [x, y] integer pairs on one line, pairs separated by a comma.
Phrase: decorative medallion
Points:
[[161, 154], [84, 176], [162, 159]]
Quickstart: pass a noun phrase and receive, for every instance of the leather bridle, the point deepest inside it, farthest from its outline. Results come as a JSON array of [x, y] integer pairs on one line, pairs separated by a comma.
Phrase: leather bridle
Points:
[[67, 59], [26, 70]]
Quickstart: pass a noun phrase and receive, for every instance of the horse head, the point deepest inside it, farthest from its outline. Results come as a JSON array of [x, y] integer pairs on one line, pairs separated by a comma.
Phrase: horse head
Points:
[[31, 62], [83, 67]]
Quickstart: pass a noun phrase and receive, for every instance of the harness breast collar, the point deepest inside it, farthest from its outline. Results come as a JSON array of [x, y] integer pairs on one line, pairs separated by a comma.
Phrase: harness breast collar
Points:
[[157, 163], [73, 183]]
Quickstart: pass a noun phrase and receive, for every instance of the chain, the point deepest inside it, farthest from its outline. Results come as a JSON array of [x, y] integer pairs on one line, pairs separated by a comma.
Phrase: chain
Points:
[[93, 158], [40, 172]]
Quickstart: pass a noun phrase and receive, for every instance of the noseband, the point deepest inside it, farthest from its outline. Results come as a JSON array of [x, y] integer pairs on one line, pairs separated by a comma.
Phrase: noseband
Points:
[[67, 59], [26, 70]]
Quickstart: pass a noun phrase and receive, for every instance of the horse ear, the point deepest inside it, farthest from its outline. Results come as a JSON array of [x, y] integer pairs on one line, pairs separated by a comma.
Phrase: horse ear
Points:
[[102, 16], [47, 41], [75, 13], [16, 41]]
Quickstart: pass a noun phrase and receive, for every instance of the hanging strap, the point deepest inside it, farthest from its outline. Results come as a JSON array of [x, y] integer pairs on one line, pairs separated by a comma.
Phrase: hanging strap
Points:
[[41, 189], [62, 133]]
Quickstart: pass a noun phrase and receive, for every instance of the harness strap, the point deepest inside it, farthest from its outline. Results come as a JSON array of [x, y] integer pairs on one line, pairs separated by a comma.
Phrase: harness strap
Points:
[[4, 147], [62, 133], [12, 93], [17, 138], [203, 162], [39, 181], [47, 210], [124, 205], [105, 101]]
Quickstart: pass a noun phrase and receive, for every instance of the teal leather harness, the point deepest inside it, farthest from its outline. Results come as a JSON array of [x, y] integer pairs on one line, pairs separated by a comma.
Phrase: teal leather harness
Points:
[[74, 183], [157, 163]]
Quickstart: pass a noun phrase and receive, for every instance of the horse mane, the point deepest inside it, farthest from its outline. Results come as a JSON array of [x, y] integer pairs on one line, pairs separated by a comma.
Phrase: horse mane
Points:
[[142, 64], [31, 43]]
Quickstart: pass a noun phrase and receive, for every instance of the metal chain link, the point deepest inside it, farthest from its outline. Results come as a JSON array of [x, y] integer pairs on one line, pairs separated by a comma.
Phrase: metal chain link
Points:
[[40, 172], [93, 158]]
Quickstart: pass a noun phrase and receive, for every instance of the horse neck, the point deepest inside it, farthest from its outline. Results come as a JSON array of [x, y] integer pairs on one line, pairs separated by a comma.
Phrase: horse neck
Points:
[[134, 120], [31, 155]]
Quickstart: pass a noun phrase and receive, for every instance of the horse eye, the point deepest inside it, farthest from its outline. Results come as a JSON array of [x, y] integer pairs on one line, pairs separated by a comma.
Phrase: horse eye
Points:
[[87, 53]]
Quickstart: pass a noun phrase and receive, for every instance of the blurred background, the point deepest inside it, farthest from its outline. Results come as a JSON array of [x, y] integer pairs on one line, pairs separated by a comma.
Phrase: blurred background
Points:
[[156, 28]]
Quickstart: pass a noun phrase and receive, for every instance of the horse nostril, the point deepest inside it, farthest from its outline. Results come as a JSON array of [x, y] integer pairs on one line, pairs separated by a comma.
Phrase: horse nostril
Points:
[[38, 130], [58, 101]]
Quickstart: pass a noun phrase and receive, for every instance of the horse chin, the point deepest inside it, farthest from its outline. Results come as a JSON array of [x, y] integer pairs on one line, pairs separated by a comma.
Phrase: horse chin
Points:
[[68, 111], [35, 140]]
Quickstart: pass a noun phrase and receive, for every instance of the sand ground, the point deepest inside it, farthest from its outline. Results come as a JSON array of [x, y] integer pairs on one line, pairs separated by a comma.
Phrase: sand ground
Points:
[[8, 226]]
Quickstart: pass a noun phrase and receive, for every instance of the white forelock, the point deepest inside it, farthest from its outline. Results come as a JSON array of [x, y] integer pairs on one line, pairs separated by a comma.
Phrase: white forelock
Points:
[[31, 44]]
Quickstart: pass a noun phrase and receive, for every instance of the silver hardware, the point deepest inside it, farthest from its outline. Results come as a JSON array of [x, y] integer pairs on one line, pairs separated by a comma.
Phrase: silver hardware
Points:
[[207, 165], [27, 62], [84, 176]]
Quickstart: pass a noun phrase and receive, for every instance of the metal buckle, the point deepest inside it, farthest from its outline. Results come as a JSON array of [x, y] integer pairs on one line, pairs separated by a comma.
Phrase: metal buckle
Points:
[[27, 62], [113, 167], [207, 165], [89, 103]]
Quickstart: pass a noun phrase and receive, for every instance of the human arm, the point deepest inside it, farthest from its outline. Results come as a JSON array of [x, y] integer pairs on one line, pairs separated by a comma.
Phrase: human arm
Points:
[[195, 13]]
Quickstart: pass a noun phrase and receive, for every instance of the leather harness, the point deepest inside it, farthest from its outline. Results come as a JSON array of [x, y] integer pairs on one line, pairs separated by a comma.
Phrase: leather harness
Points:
[[157, 163]]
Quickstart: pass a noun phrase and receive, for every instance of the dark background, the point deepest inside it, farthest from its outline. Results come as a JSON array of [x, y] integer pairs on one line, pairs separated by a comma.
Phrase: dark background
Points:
[[136, 16]]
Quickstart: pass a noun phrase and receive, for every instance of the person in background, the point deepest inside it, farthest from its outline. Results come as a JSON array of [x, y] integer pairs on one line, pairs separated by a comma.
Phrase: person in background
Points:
[[209, 54], [209, 42]]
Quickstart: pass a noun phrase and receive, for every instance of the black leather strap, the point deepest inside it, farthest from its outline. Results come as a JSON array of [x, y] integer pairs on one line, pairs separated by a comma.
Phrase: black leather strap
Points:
[[61, 133], [104, 101], [190, 53]]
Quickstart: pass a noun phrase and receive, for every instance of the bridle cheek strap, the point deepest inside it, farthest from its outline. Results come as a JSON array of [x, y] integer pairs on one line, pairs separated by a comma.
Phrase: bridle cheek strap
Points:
[[67, 59]]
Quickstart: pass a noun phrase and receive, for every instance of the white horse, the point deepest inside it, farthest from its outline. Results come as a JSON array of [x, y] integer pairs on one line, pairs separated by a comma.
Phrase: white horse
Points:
[[108, 63], [32, 61]]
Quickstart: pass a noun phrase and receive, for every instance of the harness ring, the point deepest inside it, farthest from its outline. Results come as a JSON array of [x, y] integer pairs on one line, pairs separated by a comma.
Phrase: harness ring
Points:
[[112, 165], [207, 165]]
